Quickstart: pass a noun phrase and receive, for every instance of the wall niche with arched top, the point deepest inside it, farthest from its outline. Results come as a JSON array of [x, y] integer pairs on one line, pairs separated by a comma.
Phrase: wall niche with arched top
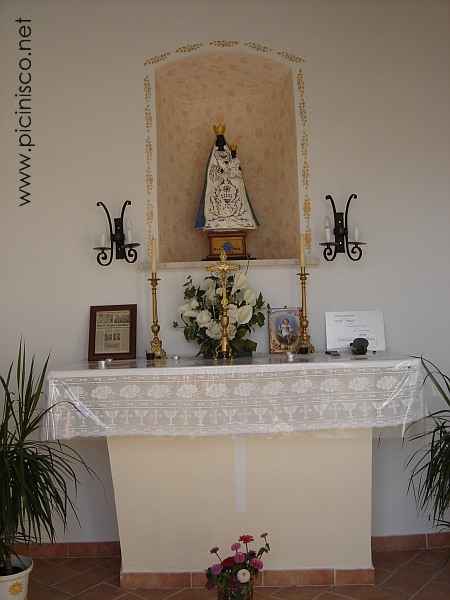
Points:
[[253, 95]]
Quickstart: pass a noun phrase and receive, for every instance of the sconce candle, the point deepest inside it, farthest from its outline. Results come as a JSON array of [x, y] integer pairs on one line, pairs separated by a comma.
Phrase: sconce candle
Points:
[[328, 229], [341, 243], [123, 250]]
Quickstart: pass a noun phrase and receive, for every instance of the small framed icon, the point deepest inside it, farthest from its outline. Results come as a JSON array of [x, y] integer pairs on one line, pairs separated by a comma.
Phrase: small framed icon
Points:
[[284, 329]]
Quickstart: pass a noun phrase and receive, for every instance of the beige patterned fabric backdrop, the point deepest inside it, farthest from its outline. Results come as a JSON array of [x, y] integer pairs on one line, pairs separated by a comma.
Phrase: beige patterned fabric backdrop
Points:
[[253, 96]]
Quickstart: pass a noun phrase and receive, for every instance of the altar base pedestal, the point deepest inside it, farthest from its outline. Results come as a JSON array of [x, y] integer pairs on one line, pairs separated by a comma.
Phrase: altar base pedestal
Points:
[[178, 497]]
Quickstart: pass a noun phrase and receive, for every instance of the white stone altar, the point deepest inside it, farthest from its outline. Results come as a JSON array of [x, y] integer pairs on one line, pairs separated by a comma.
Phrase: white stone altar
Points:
[[202, 452]]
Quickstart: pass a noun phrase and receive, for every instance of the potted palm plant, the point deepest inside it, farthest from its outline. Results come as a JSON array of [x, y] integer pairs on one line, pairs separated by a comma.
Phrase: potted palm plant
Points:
[[430, 464], [35, 475]]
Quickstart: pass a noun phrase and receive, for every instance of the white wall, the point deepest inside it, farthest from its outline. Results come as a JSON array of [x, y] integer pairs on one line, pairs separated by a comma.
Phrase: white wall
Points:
[[377, 85]]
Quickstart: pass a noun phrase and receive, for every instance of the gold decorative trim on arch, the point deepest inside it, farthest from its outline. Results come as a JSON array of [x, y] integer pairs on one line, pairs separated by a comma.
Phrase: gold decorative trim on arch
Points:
[[224, 43], [149, 208], [156, 59], [189, 48], [293, 58], [304, 158], [301, 116], [258, 47]]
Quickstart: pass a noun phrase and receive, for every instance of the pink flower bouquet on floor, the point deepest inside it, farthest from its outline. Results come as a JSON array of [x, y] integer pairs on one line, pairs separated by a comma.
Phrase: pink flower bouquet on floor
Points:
[[234, 576]]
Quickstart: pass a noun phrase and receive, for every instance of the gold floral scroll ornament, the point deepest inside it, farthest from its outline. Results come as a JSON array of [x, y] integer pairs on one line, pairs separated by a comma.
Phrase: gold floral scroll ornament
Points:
[[224, 43], [156, 59], [258, 47], [188, 48], [16, 588], [293, 58]]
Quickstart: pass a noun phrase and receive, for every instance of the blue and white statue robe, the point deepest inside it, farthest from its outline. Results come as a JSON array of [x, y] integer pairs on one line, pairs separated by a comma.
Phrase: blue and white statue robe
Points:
[[225, 205]]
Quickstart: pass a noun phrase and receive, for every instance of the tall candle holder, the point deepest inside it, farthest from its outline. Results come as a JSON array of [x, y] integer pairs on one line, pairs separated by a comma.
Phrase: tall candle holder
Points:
[[222, 269], [156, 347], [304, 344]]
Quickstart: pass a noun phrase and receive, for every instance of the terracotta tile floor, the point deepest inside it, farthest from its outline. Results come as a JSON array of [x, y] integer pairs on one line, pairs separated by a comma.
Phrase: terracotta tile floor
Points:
[[411, 575]]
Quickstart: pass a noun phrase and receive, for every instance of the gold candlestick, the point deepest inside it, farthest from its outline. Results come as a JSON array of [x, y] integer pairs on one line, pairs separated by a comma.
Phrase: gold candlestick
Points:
[[304, 345], [156, 347], [222, 269]]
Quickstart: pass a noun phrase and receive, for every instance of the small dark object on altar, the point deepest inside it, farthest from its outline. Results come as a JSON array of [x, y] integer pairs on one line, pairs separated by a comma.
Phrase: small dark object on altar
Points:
[[359, 346]]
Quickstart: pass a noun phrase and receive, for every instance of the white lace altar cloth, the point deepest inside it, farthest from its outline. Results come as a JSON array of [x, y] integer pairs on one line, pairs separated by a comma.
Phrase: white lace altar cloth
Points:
[[263, 395]]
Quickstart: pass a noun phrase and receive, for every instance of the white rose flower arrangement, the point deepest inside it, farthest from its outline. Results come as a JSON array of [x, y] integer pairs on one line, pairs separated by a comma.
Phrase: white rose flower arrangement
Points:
[[200, 314]]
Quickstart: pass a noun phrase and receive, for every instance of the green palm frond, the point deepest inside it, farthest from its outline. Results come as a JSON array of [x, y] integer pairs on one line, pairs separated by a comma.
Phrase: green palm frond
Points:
[[430, 465], [36, 477]]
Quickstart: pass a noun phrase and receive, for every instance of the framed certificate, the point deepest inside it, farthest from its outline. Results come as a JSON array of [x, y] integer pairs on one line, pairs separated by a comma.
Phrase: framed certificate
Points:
[[344, 326], [112, 332]]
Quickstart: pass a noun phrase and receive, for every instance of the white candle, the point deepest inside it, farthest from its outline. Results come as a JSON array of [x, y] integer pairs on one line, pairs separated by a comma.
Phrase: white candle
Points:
[[327, 229], [356, 234], [103, 240], [129, 235], [153, 255], [302, 251]]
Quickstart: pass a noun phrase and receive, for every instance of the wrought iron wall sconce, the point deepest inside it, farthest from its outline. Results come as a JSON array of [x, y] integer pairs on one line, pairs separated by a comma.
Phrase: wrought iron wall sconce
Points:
[[341, 242], [124, 250]]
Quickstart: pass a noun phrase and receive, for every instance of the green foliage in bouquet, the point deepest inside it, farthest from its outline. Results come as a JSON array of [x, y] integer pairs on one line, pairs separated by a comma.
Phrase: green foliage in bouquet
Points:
[[200, 314], [234, 576]]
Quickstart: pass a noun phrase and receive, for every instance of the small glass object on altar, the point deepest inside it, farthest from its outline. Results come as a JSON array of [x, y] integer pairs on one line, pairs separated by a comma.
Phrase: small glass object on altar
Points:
[[225, 210]]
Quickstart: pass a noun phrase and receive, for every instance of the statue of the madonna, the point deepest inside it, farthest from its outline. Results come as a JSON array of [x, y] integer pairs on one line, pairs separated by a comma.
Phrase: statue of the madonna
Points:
[[224, 205]]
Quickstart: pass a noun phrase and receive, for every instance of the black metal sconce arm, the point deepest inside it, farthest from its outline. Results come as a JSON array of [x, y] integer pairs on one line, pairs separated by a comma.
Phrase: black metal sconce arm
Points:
[[117, 238], [341, 242]]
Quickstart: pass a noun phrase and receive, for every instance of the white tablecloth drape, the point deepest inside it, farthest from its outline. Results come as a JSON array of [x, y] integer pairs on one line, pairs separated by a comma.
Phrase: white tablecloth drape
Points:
[[263, 395]]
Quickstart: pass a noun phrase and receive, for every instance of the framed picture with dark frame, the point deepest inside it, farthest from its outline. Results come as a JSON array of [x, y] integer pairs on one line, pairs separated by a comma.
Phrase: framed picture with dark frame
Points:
[[112, 332], [284, 329]]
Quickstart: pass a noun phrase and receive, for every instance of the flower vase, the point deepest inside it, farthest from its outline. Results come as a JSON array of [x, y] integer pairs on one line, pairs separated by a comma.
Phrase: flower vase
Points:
[[238, 591], [213, 354], [244, 354]]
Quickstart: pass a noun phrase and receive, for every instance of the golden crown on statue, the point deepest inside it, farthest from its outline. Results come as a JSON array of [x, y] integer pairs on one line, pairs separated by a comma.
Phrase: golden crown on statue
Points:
[[219, 129]]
